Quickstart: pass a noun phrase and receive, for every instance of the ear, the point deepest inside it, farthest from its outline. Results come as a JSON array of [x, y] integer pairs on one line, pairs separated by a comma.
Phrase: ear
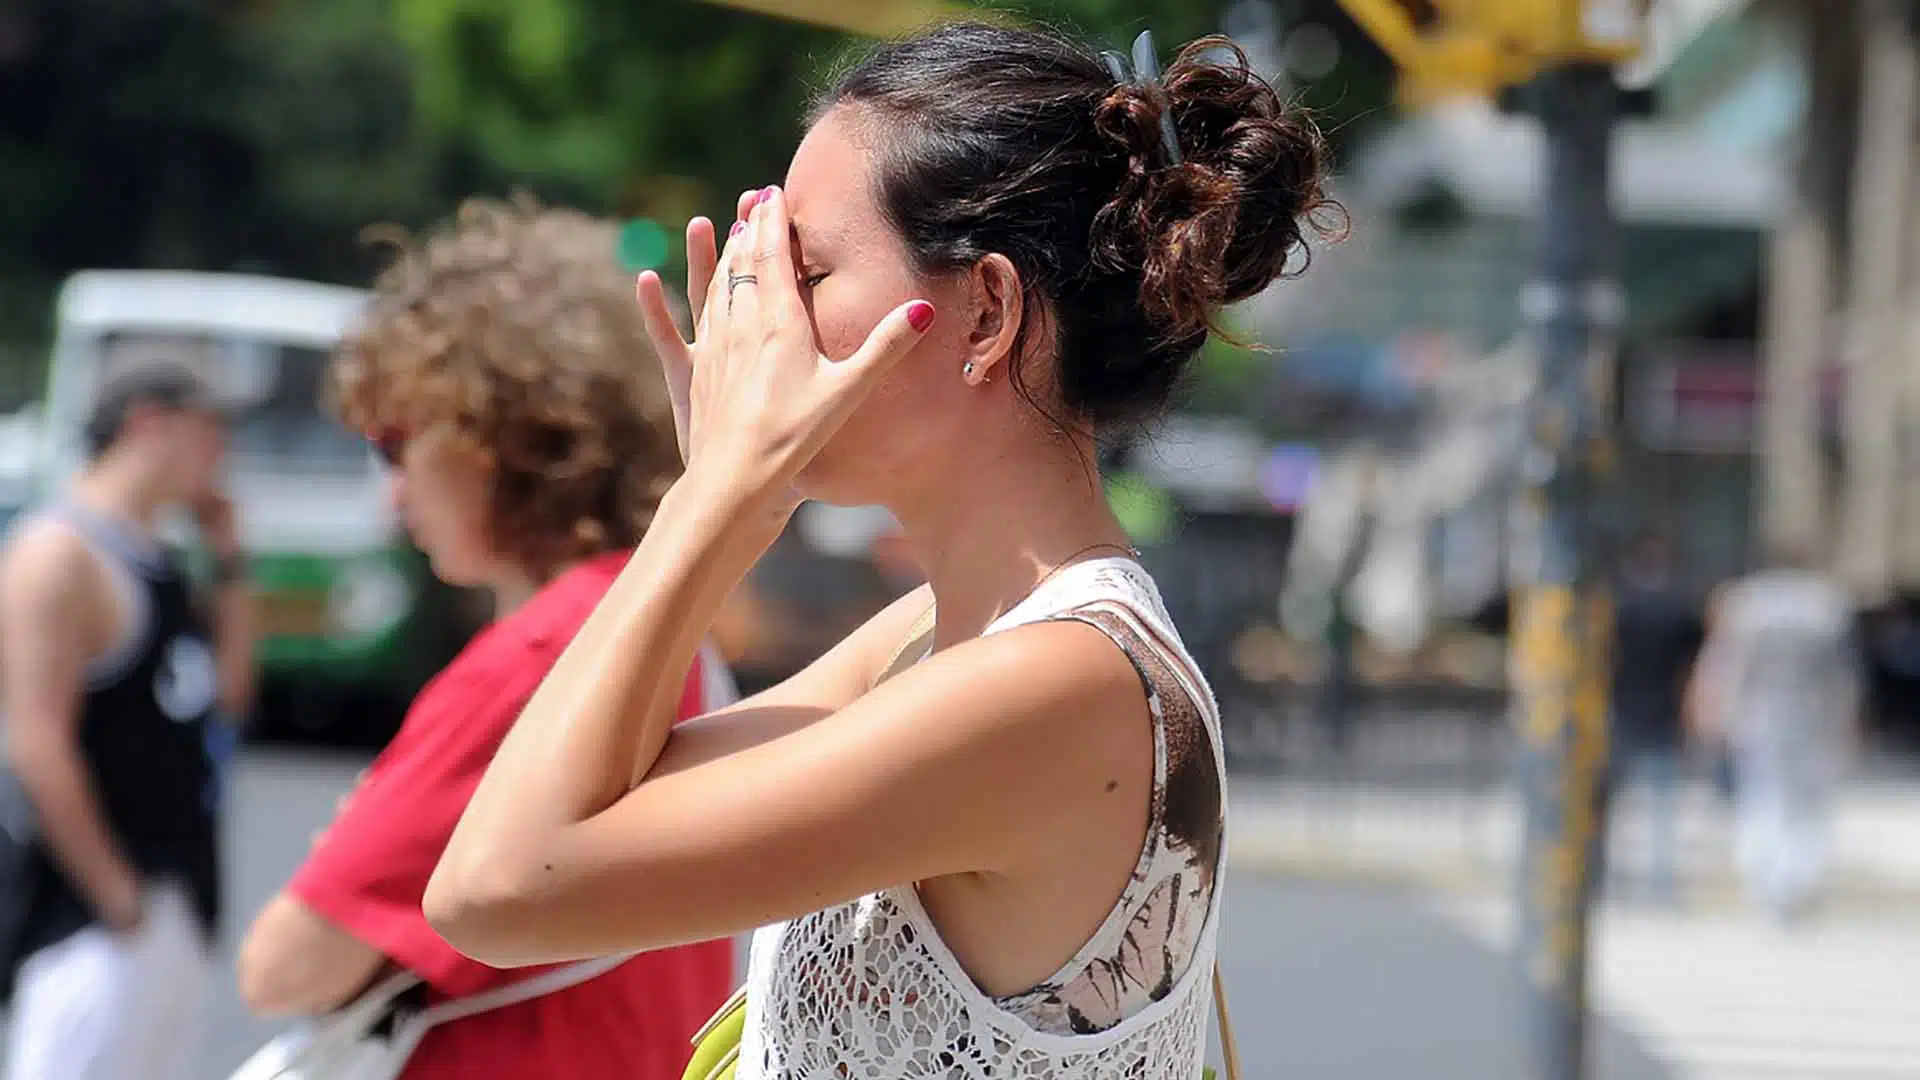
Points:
[[999, 310]]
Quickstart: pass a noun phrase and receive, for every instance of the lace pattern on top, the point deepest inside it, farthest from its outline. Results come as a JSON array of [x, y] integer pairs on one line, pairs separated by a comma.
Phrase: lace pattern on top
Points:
[[867, 990]]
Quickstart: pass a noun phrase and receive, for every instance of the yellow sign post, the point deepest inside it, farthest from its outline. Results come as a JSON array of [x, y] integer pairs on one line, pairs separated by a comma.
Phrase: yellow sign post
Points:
[[1475, 47]]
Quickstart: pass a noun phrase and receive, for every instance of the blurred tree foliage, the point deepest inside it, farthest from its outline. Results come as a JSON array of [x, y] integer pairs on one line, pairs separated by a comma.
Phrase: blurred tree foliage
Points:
[[662, 107], [266, 134], [199, 134]]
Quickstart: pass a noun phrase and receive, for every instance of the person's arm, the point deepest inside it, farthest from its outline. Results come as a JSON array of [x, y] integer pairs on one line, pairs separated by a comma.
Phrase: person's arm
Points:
[[1707, 681], [835, 680], [958, 765], [352, 909], [953, 766], [295, 962], [46, 591], [235, 627], [1852, 686], [352, 912]]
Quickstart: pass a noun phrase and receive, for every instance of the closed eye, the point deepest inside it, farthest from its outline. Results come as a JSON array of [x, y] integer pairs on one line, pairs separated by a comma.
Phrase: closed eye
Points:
[[812, 280]]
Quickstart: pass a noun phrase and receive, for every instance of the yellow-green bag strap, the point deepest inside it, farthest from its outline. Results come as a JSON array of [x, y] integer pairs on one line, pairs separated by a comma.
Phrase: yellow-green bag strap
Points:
[[716, 1046], [1229, 1051]]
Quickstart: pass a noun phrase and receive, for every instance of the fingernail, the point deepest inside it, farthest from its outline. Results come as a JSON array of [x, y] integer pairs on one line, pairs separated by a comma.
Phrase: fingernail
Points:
[[920, 315], [766, 196], [738, 228]]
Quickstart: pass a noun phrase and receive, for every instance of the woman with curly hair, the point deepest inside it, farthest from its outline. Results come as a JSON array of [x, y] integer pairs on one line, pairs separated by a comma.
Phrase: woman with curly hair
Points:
[[504, 374], [1002, 861]]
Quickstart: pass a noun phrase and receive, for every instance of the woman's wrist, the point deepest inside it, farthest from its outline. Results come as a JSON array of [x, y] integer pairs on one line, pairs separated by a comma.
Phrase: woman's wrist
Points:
[[747, 510]]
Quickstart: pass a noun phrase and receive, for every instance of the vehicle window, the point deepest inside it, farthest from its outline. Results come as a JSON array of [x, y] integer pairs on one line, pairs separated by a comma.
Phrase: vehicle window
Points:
[[273, 390]]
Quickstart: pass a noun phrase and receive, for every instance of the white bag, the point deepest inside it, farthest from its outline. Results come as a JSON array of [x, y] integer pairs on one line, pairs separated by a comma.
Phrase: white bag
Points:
[[372, 1036]]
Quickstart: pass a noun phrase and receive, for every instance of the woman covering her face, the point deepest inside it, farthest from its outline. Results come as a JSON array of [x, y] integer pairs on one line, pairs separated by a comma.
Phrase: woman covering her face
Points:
[[1002, 860]]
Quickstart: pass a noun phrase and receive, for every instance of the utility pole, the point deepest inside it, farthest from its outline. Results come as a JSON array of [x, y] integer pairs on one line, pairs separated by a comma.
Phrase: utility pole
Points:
[[1910, 349], [1563, 54], [1803, 286], [1889, 80], [1563, 619], [1904, 350]]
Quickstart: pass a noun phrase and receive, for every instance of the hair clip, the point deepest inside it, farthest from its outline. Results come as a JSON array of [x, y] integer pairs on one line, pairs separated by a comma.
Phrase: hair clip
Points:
[[1144, 71]]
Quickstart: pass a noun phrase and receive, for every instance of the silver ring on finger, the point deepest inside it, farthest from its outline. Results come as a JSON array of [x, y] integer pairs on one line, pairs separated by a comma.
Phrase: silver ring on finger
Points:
[[734, 281]]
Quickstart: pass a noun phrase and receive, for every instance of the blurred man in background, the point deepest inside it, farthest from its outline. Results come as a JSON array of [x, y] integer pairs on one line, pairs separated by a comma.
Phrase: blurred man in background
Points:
[[1780, 683], [1658, 632], [111, 676]]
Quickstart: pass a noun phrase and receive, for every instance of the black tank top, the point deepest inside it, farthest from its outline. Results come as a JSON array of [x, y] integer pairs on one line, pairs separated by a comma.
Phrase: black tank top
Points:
[[145, 720]]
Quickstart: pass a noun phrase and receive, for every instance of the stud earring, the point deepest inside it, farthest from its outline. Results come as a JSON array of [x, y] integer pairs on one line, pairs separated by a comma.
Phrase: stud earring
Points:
[[967, 369]]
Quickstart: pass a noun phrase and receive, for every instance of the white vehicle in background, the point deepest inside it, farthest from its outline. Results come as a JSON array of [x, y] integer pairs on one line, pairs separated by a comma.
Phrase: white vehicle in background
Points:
[[347, 608], [19, 450]]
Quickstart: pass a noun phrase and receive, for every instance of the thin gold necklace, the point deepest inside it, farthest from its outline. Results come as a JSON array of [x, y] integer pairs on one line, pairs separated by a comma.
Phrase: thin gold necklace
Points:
[[1126, 549], [1073, 559]]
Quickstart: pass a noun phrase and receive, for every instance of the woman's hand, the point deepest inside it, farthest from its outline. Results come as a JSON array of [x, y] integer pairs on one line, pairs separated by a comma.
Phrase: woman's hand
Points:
[[759, 399], [676, 356]]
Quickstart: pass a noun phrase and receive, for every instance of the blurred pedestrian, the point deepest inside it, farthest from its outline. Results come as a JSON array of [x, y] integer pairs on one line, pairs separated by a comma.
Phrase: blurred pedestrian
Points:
[[504, 375], [1000, 857], [112, 673], [1657, 635], [1779, 683], [1337, 690]]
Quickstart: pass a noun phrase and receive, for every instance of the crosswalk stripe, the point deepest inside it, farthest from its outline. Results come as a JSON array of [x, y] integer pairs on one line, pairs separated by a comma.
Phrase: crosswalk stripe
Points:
[[1729, 997]]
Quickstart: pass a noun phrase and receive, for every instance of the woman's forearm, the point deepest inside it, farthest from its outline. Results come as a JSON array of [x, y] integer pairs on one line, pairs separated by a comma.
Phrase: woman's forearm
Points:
[[601, 717]]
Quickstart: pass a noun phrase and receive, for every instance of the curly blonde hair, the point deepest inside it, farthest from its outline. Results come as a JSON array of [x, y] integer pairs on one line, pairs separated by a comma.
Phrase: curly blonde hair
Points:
[[515, 325]]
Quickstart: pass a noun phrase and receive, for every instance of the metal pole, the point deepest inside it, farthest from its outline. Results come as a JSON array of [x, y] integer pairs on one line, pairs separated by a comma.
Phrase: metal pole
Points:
[[1803, 278], [1562, 618], [1889, 75]]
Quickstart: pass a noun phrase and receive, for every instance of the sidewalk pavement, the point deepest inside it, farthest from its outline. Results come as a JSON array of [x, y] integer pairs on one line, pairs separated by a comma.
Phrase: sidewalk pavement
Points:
[[1462, 839]]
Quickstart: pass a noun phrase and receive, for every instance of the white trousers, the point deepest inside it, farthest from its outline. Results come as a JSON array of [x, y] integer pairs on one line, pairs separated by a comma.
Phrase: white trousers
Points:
[[1785, 835], [108, 1006]]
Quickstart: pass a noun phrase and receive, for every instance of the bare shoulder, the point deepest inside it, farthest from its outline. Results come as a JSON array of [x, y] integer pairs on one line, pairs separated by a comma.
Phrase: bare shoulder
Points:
[[1061, 684], [51, 606], [45, 564]]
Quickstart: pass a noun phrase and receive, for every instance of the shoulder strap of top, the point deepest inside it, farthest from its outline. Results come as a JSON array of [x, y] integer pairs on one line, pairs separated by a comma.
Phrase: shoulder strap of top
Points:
[[913, 648], [107, 538], [1131, 627]]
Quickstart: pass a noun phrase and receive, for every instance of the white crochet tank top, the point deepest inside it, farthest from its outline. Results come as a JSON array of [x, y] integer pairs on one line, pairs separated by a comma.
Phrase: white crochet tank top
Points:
[[866, 990]]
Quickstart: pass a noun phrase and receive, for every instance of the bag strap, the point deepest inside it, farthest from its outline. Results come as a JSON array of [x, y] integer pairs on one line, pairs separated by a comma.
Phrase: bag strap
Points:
[[1229, 1050], [539, 986]]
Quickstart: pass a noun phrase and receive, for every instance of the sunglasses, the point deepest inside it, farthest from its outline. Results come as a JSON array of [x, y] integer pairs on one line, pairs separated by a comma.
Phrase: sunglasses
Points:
[[390, 445]]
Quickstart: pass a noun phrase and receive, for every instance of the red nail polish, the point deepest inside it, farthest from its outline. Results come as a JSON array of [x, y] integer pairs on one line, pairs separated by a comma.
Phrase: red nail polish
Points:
[[920, 315], [738, 228], [766, 196]]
